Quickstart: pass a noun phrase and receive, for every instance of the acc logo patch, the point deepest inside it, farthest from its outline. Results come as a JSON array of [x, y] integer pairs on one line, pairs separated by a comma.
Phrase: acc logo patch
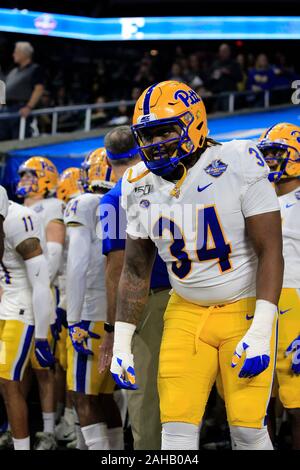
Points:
[[297, 194], [38, 208], [145, 203], [216, 168]]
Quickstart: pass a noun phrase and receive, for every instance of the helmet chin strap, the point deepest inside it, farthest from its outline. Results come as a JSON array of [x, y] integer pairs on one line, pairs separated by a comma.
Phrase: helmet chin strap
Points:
[[137, 178], [175, 192]]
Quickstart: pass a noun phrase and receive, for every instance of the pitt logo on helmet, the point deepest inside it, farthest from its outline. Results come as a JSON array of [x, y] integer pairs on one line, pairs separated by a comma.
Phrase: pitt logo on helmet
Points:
[[188, 98]]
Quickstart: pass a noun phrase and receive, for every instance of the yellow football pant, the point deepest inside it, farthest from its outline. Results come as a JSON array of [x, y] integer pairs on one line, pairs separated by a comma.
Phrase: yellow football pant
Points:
[[16, 343], [82, 372], [197, 342], [288, 330]]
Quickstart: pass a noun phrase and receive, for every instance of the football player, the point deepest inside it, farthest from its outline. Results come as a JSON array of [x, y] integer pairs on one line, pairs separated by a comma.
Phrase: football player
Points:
[[68, 187], [37, 186], [25, 312], [86, 309], [280, 146], [215, 220]]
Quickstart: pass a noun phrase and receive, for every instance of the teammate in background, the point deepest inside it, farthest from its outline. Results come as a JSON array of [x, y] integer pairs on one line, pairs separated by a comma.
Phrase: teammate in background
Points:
[[215, 220], [68, 187], [5, 436], [86, 310], [3, 213], [37, 186], [280, 146], [143, 404], [25, 311]]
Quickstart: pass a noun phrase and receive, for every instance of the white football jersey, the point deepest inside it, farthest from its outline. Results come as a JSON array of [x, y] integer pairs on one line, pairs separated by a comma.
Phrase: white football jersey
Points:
[[84, 210], [290, 215], [201, 233], [49, 209], [20, 224], [3, 202]]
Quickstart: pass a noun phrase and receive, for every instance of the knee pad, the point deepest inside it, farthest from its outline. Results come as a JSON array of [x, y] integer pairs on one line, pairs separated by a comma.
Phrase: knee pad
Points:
[[180, 436], [250, 438]]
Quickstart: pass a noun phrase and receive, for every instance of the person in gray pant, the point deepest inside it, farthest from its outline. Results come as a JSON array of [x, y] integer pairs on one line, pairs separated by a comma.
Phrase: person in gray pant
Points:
[[143, 404]]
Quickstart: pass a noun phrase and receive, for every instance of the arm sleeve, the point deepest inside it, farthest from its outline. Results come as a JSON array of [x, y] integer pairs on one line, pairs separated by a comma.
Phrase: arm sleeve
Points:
[[134, 227], [77, 265], [55, 251], [38, 275], [3, 202]]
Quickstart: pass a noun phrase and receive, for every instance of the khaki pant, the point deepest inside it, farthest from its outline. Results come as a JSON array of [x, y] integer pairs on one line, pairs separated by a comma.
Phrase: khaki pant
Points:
[[143, 404]]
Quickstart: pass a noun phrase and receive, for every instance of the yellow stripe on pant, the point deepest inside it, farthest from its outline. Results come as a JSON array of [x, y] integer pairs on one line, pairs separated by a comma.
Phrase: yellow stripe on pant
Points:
[[196, 342], [16, 342]]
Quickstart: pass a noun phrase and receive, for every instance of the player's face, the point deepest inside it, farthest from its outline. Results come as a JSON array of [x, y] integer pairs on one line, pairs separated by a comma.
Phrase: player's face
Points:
[[160, 141], [273, 157], [27, 180]]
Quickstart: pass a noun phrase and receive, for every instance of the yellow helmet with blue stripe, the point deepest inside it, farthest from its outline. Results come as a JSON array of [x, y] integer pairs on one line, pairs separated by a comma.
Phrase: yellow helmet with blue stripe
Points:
[[98, 173], [280, 146], [69, 184], [176, 113], [41, 178]]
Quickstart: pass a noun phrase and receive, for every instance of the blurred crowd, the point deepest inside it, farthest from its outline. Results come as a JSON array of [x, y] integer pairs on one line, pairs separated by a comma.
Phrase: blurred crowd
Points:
[[77, 74]]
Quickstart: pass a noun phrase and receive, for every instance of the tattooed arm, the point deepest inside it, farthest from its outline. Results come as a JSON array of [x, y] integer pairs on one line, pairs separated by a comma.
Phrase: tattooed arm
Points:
[[132, 297], [135, 279]]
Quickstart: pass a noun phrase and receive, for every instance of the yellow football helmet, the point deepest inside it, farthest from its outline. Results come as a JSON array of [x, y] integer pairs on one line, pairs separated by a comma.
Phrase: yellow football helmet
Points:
[[39, 176], [169, 123], [98, 174], [280, 146], [69, 184]]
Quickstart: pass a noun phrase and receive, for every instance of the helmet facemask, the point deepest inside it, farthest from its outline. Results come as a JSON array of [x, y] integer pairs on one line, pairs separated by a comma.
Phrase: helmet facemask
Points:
[[282, 159], [28, 184], [172, 142]]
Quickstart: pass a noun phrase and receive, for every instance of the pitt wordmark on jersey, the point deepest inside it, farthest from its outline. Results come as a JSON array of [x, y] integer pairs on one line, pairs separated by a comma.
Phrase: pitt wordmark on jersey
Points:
[[16, 312], [289, 302], [200, 232]]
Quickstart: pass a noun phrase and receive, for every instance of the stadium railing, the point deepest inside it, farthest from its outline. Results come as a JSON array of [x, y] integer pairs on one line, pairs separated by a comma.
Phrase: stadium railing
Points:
[[228, 102]]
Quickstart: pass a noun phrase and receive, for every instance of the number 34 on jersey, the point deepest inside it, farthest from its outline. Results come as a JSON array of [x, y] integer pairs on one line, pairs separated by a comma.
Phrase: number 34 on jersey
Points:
[[207, 243]]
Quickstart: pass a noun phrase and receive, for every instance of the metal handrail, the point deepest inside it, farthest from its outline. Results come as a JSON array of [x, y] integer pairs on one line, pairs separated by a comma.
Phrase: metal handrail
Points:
[[88, 108]]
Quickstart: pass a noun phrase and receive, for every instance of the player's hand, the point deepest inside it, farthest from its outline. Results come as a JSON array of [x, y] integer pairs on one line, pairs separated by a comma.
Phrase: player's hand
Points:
[[257, 354], [106, 352], [294, 348], [79, 334], [256, 343], [43, 353], [122, 369]]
